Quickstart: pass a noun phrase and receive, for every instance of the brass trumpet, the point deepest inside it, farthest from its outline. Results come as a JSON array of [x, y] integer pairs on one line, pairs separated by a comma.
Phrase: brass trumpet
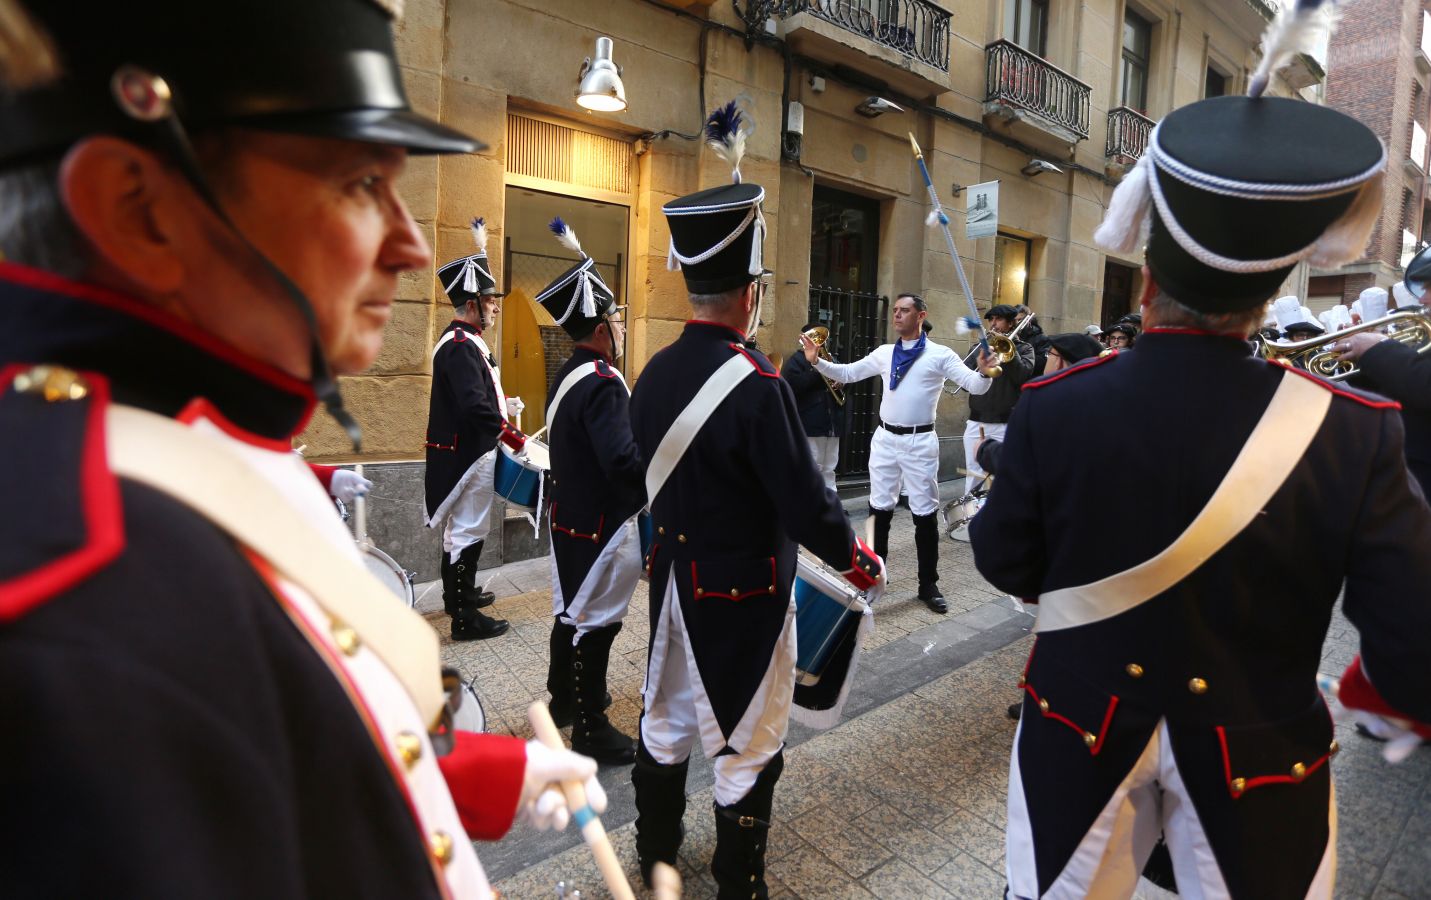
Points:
[[1408, 326], [819, 336]]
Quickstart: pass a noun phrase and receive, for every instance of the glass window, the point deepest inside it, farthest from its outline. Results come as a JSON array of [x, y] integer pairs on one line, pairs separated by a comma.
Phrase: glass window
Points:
[[1011, 269], [1026, 24], [1216, 83], [1137, 44]]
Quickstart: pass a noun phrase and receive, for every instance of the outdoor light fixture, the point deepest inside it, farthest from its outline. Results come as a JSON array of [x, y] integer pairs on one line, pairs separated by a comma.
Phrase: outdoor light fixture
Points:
[[1039, 166], [599, 86], [872, 107]]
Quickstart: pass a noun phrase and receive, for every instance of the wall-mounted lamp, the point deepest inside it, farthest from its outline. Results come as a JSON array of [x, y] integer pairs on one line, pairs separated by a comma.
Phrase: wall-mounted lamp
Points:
[[1039, 166], [871, 107], [599, 86]]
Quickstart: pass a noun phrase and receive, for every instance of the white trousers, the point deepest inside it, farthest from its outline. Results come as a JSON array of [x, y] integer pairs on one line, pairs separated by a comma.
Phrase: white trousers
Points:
[[605, 592], [677, 710], [1152, 800], [910, 461], [826, 451], [995, 430], [470, 518]]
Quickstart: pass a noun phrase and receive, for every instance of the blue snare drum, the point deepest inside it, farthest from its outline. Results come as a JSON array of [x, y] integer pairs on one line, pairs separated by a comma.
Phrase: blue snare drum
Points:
[[827, 610], [519, 480]]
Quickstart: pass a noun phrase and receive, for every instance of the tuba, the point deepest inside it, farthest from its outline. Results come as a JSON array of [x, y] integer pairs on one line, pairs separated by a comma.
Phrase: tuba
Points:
[[820, 336], [1409, 326]]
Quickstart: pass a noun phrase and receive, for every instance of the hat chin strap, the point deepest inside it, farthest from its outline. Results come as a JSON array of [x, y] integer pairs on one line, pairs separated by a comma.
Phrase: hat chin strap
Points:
[[169, 132]]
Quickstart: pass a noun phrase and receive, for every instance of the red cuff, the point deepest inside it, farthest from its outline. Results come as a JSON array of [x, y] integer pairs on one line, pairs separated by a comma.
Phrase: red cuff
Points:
[[484, 774], [865, 567], [324, 474], [1358, 693], [512, 437]]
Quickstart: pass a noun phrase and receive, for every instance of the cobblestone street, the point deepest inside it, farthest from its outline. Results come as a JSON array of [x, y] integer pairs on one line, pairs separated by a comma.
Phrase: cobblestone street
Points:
[[906, 797]]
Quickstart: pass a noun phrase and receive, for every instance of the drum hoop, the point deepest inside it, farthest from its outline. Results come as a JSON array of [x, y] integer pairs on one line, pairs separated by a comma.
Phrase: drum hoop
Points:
[[373, 551]]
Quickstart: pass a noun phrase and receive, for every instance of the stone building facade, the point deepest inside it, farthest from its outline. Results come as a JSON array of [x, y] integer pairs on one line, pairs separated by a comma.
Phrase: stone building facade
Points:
[[988, 87], [1378, 64]]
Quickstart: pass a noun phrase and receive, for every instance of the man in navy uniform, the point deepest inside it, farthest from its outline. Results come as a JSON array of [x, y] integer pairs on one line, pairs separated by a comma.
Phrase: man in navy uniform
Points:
[[597, 489], [466, 417], [1172, 689], [733, 489], [197, 673]]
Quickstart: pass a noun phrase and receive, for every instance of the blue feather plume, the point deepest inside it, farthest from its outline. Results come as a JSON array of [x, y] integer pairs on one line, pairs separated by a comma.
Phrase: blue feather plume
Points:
[[565, 235], [726, 136]]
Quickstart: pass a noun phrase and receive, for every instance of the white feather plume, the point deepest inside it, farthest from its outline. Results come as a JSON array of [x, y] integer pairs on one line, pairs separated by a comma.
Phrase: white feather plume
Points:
[[1298, 28], [566, 236], [479, 234], [1130, 213]]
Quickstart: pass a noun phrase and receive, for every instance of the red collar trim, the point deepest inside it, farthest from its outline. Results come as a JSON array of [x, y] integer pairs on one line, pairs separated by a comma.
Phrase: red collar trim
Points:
[[201, 408], [110, 299], [733, 331], [1047, 380], [477, 329]]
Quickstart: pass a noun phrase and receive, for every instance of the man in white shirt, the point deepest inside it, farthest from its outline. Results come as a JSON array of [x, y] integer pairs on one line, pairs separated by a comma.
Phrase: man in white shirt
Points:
[[905, 450]]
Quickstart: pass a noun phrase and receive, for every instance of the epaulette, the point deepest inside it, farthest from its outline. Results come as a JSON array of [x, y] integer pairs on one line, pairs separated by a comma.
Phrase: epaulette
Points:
[[757, 359], [1365, 398], [1082, 365], [603, 368], [65, 521], [459, 336]]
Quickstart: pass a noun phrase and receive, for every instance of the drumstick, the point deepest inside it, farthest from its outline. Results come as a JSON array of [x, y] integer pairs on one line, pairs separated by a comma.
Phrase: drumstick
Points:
[[665, 882], [360, 512], [581, 811]]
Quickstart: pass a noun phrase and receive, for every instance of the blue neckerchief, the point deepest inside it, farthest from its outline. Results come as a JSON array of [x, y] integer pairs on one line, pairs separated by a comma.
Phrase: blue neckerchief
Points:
[[903, 359]]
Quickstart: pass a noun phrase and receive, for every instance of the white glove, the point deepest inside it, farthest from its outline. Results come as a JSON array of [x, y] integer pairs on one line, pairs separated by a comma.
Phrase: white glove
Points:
[[515, 406], [349, 486], [542, 802]]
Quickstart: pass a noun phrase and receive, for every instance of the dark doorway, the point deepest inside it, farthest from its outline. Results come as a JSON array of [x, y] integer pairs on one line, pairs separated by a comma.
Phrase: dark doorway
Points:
[[844, 248], [1117, 291]]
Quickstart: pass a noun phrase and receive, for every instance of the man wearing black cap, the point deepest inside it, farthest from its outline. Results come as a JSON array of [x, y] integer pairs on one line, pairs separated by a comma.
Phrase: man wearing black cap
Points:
[[989, 412], [1121, 336], [597, 488], [732, 490], [201, 226], [466, 417], [1172, 689]]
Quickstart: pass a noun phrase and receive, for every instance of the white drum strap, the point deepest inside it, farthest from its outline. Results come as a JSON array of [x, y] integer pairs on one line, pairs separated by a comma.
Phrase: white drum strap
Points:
[[1272, 451], [209, 478], [483, 352], [682, 431], [569, 382]]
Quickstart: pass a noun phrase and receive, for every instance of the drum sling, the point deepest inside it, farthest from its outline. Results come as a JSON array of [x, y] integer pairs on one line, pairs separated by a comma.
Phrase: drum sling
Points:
[[1272, 451], [206, 476]]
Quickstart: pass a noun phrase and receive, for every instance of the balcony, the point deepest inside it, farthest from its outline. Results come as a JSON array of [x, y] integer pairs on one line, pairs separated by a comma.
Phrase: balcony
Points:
[[1302, 71], [1032, 99], [1128, 132], [903, 43]]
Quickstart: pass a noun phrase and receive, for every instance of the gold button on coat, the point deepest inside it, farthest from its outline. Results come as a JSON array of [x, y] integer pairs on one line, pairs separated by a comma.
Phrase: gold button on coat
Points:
[[1089, 739], [1299, 771], [409, 747], [1043, 706], [1334, 748], [1134, 670], [1238, 786], [681, 538], [54, 383], [441, 844], [347, 639], [1197, 686]]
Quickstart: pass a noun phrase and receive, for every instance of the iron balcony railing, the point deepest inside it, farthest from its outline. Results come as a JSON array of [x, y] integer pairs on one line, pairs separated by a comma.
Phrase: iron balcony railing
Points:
[[916, 28], [1019, 78], [1128, 132]]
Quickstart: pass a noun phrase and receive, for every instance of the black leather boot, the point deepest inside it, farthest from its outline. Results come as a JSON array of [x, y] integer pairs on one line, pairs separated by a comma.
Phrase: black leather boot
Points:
[[466, 574], [592, 734], [882, 520], [559, 672], [660, 804], [741, 831], [926, 542], [451, 590]]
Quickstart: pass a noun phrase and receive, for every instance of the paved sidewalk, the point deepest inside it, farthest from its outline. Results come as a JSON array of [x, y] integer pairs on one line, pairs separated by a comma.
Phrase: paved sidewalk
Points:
[[905, 798]]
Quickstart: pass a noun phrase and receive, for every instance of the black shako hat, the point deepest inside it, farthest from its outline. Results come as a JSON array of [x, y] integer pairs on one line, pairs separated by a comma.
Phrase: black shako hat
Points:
[[578, 299], [1418, 273], [717, 234], [326, 68], [1233, 192], [470, 277]]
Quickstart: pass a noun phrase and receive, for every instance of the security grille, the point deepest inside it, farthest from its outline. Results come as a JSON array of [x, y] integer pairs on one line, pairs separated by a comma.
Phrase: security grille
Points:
[[857, 325]]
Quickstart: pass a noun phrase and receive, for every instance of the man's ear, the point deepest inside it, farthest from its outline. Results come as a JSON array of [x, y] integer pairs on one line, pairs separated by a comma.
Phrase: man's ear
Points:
[[1150, 288], [126, 203]]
